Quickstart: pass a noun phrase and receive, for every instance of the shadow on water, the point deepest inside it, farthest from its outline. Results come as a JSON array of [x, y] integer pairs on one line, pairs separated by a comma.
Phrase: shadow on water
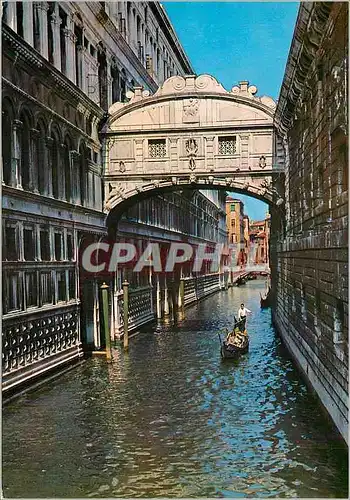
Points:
[[170, 419]]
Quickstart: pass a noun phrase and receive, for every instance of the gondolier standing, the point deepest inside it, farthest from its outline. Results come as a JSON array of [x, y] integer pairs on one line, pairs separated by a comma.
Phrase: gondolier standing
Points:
[[242, 317]]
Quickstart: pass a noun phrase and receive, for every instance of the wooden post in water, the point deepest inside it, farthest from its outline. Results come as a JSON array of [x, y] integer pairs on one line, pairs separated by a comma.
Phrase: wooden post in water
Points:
[[182, 296], [126, 313], [104, 292]]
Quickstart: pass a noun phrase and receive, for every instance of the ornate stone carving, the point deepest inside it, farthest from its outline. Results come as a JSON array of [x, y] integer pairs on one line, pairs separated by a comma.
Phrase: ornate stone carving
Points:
[[262, 162], [191, 147], [122, 167], [193, 179]]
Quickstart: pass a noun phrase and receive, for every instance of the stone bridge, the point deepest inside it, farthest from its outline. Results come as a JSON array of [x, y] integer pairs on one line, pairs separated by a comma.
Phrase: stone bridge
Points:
[[192, 133]]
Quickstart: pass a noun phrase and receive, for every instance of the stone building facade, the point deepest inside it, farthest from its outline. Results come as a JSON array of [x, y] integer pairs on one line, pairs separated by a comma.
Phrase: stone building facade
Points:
[[236, 228], [64, 64], [311, 275]]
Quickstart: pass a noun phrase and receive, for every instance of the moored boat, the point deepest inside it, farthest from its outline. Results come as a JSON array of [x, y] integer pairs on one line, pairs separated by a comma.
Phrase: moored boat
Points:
[[265, 300]]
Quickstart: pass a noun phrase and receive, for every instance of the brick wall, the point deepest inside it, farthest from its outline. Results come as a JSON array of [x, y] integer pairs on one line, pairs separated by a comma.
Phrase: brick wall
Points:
[[311, 273]]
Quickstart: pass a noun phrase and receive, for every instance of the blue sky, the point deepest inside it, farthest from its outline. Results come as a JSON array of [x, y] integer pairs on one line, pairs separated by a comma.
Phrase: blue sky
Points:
[[236, 41]]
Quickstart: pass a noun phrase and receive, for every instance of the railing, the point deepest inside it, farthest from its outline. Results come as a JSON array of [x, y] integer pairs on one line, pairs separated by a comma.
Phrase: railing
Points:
[[200, 286], [140, 309], [28, 341]]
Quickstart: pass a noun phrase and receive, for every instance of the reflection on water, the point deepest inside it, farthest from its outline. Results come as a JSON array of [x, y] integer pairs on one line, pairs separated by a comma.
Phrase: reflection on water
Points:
[[171, 419]]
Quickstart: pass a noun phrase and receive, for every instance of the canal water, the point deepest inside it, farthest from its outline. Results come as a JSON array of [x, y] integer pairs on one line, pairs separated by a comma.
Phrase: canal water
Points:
[[170, 419]]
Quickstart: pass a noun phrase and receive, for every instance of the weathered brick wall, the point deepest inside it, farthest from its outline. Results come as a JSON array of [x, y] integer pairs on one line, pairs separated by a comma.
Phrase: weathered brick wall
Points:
[[311, 309]]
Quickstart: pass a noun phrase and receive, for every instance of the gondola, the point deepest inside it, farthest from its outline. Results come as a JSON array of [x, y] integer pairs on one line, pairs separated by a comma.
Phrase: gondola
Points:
[[230, 351], [240, 281], [265, 300]]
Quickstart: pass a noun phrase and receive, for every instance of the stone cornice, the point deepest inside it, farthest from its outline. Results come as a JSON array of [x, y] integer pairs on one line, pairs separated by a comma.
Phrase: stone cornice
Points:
[[29, 55], [308, 33]]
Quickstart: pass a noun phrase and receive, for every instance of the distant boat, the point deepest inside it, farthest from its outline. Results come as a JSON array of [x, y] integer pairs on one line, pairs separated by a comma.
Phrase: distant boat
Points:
[[265, 300]]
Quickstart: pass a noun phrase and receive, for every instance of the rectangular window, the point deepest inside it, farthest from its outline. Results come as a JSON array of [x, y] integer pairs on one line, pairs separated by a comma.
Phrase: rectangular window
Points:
[[233, 223], [12, 296], [233, 207], [58, 246], [29, 246], [31, 283], [61, 285], [71, 284], [70, 248], [46, 288], [227, 146], [157, 148], [10, 248], [45, 245]]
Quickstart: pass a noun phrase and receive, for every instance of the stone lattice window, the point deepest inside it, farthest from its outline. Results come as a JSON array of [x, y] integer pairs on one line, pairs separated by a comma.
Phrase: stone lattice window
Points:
[[157, 148], [227, 145]]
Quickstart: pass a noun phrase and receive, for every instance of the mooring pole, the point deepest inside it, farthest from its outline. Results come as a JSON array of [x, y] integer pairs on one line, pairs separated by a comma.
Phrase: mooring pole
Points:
[[104, 291], [182, 296], [126, 312]]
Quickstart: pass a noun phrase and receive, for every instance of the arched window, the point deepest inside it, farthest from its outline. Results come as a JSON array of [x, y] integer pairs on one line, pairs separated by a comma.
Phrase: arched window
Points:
[[67, 169], [25, 151], [36, 27], [55, 165], [83, 173], [115, 84], [7, 141], [40, 157], [102, 77]]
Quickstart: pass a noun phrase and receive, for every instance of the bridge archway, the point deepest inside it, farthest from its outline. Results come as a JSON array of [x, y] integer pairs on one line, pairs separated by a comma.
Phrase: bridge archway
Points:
[[192, 133]]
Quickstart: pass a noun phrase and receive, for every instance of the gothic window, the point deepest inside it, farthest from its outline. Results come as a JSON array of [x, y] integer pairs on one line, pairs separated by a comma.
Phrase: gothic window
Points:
[[227, 146], [102, 78], [115, 84], [24, 147], [40, 157], [67, 170], [157, 148], [6, 144], [55, 166], [82, 173]]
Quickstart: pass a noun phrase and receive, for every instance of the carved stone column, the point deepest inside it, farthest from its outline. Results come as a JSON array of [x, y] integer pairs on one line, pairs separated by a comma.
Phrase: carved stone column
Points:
[[28, 21], [44, 45], [109, 82], [244, 151], [173, 154], [16, 170]]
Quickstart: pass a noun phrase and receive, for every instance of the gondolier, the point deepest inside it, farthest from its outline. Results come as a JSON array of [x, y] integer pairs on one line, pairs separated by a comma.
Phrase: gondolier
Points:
[[242, 316]]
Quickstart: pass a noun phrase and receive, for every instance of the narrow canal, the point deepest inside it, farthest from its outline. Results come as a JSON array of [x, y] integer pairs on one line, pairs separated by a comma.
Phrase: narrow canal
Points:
[[171, 420]]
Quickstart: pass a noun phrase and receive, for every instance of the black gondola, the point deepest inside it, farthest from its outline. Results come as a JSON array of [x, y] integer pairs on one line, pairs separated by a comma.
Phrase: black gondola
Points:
[[265, 300], [230, 351]]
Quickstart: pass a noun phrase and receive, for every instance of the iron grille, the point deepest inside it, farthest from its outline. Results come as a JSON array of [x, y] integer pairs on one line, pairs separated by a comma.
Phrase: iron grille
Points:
[[157, 148], [227, 145]]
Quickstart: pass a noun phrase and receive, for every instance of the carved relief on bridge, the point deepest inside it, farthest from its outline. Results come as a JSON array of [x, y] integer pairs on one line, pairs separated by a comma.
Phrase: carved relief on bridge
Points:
[[191, 131]]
